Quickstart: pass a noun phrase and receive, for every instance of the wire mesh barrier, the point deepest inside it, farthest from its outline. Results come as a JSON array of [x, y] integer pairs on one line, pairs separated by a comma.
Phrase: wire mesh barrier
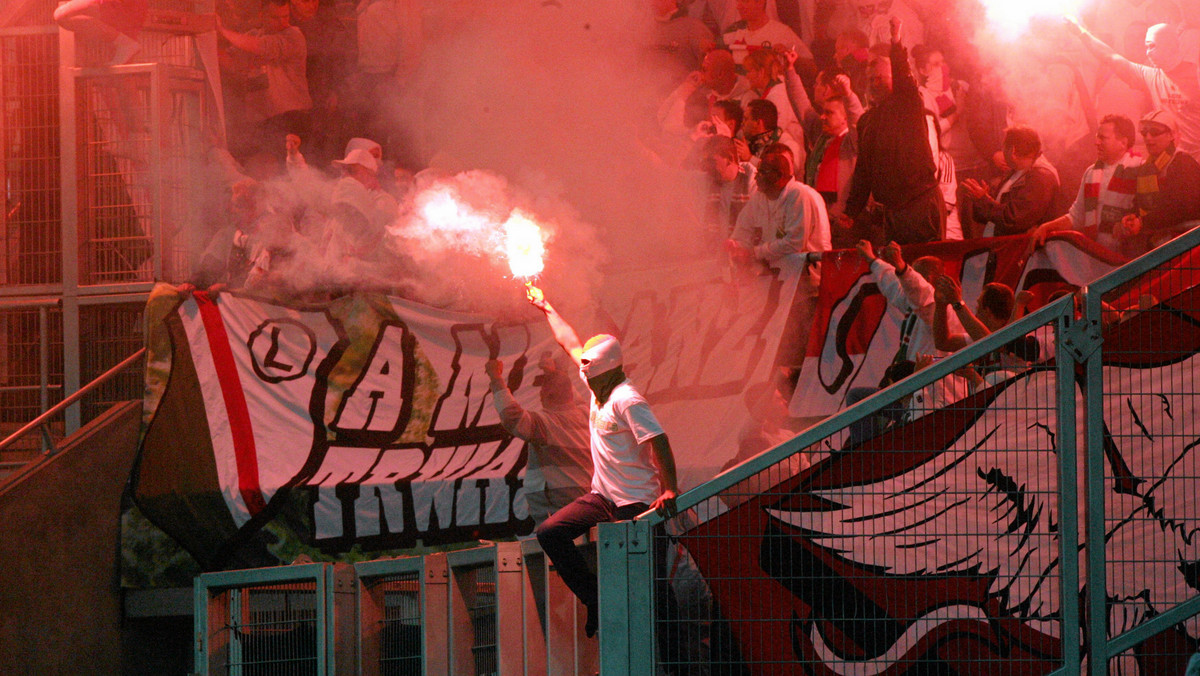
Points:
[[129, 141], [31, 375], [474, 615], [919, 534], [109, 332], [402, 615], [496, 608], [32, 356], [275, 621], [479, 590], [1144, 380], [116, 219], [31, 217], [168, 37], [141, 132]]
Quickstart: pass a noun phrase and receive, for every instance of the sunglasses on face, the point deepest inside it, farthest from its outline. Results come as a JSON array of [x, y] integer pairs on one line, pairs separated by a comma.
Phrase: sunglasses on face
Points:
[[1155, 131]]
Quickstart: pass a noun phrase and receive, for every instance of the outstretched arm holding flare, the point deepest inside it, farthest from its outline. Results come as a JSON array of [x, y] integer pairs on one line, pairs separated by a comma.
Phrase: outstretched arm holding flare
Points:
[[601, 386], [563, 333]]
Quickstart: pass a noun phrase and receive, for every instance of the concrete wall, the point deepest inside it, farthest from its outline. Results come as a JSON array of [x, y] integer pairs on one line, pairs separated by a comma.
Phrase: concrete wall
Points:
[[60, 598]]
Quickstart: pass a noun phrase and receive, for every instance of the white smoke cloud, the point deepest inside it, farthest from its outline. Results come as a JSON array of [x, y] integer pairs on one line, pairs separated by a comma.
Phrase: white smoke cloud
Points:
[[537, 106]]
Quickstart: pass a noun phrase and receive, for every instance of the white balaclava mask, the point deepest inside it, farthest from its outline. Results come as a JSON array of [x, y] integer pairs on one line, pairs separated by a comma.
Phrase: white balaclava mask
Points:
[[1162, 46], [602, 353]]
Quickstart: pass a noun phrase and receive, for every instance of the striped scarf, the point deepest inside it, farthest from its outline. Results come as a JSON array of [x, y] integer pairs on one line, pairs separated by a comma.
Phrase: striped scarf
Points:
[[1104, 206], [1149, 175]]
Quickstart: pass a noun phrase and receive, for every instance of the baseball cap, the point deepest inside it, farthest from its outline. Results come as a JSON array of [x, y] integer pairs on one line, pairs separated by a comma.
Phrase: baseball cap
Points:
[[360, 157]]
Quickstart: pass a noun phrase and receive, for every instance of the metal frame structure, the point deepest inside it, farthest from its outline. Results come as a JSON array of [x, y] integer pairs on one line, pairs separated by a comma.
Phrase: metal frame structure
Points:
[[558, 641], [140, 187], [627, 603], [488, 610], [109, 329], [492, 609]]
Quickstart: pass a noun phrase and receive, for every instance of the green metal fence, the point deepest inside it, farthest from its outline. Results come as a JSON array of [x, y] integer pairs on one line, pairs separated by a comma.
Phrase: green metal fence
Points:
[[266, 621], [402, 615], [1143, 470], [898, 537]]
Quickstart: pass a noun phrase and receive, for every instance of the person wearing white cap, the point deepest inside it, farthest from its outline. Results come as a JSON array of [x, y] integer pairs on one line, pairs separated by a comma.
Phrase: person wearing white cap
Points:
[[1168, 188], [360, 143], [361, 209], [633, 467]]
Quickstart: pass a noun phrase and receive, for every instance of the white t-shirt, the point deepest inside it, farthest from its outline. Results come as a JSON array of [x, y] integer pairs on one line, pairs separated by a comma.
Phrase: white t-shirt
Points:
[[1182, 99], [622, 459]]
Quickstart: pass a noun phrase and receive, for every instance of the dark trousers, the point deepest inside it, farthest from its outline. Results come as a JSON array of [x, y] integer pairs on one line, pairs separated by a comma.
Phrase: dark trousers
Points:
[[921, 219], [557, 536]]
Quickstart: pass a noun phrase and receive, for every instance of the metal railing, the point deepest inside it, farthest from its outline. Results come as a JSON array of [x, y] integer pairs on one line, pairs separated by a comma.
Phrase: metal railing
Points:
[[41, 423], [887, 553]]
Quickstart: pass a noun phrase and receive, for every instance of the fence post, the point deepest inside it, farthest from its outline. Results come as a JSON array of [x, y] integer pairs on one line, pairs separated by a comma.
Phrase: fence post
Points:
[[626, 569], [1068, 495], [511, 609], [1094, 485], [435, 609]]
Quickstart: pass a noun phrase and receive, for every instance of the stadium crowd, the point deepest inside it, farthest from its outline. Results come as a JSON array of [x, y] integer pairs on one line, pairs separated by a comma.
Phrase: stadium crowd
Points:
[[812, 125]]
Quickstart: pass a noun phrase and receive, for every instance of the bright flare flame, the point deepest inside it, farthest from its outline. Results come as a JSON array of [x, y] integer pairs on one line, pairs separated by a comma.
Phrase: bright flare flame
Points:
[[523, 246], [451, 223], [1011, 18]]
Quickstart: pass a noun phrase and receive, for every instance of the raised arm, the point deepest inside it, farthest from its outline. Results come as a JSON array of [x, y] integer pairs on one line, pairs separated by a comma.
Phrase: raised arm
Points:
[[796, 93], [903, 82], [855, 109], [884, 273], [953, 295], [519, 422], [1123, 67], [563, 333], [903, 286], [943, 338]]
